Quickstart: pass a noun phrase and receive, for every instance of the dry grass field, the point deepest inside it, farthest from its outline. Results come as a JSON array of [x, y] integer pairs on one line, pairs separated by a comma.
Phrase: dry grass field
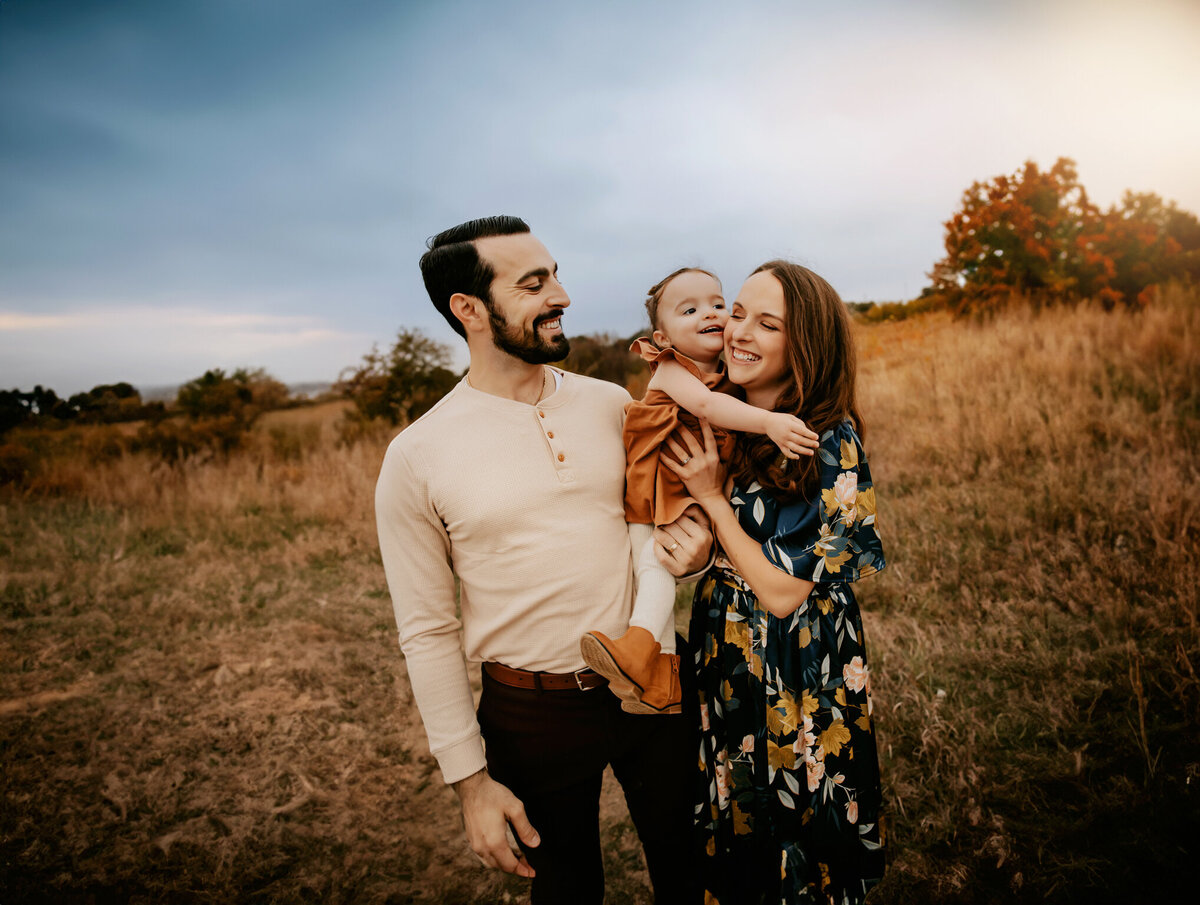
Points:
[[202, 700]]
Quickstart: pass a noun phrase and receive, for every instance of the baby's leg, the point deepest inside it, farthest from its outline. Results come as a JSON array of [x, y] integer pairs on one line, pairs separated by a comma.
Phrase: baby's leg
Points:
[[641, 666], [654, 600]]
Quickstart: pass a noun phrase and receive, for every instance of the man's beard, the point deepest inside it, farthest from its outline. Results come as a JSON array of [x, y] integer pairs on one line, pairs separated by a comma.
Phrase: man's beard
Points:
[[526, 344]]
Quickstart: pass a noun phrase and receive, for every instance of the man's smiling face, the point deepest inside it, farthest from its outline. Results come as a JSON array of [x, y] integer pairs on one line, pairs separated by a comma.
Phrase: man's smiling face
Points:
[[527, 300]]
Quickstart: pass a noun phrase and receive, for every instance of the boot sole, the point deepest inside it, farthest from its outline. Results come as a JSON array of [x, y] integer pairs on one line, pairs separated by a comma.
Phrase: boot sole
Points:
[[597, 656], [643, 707]]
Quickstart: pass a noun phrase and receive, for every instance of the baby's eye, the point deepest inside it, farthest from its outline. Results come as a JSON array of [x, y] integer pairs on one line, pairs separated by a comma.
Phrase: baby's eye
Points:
[[689, 311], [720, 306]]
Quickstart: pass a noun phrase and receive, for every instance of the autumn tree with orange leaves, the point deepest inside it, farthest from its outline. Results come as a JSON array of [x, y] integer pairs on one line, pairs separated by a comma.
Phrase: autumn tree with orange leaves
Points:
[[1036, 234]]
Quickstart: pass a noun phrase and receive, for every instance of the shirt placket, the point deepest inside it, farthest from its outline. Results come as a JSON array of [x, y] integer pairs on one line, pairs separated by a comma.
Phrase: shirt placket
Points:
[[559, 456]]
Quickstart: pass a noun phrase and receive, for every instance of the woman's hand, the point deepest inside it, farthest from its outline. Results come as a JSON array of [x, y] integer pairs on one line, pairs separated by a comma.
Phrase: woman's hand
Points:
[[698, 466]]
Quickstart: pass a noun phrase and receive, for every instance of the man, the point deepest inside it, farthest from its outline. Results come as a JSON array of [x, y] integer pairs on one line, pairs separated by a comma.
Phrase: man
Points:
[[514, 483]]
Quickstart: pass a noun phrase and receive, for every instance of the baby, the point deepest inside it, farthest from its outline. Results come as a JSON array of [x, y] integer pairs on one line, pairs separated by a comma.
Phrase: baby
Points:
[[687, 316]]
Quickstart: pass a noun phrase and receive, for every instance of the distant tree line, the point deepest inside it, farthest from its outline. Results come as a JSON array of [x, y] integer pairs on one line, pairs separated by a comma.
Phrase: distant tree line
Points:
[[103, 404]]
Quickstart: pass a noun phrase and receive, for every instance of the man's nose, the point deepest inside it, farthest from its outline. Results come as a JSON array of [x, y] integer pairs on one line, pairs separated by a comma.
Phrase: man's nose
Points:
[[560, 295]]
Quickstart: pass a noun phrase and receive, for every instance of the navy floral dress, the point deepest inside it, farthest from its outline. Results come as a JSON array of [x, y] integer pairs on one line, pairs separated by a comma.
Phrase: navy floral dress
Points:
[[789, 796]]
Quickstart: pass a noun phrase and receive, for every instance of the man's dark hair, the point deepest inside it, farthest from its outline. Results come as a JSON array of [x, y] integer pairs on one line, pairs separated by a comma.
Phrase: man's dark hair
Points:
[[452, 263]]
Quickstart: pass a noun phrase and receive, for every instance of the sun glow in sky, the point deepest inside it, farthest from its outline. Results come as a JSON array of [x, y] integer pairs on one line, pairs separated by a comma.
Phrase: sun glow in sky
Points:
[[214, 183]]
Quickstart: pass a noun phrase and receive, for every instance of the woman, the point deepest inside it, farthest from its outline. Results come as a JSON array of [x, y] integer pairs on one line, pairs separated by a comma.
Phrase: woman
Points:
[[789, 810]]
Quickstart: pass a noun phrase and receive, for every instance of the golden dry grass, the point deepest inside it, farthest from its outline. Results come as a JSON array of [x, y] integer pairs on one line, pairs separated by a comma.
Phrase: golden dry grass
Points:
[[201, 698]]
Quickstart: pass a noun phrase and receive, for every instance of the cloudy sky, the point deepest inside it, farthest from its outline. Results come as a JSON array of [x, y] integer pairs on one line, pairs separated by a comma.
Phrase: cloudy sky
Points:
[[214, 183]]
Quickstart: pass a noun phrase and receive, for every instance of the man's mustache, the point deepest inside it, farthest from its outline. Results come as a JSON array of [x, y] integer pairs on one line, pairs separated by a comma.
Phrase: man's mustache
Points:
[[548, 316]]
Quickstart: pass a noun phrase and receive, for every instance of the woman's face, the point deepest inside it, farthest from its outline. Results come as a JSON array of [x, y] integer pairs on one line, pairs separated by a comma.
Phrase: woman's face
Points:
[[755, 340]]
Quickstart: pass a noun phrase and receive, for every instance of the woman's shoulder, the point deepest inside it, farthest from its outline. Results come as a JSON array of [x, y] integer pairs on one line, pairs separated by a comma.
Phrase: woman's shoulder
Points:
[[840, 444]]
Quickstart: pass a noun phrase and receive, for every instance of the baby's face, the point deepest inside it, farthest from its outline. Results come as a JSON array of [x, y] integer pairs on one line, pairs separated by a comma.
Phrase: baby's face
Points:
[[692, 316]]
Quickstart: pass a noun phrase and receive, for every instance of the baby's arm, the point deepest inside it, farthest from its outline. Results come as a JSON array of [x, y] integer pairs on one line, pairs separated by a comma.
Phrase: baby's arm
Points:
[[790, 434]]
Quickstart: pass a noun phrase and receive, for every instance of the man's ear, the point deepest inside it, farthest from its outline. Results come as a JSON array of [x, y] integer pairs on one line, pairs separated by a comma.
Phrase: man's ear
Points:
[[469, 310], [660, 339]]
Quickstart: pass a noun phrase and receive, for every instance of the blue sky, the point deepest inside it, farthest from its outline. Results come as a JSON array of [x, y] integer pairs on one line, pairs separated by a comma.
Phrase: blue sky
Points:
[[208, 183]]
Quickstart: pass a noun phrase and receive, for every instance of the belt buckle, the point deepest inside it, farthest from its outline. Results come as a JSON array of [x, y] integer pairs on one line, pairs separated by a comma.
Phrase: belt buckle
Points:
[[579, 681]]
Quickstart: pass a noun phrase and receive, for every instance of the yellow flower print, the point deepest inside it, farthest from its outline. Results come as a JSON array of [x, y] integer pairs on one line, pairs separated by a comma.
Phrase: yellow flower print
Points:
[[866, 504], [826, 545], [849, 454], [738, 634], [780, 757], [834, 737], [809, 703], [741, 821], [756, 665], [784, 717]]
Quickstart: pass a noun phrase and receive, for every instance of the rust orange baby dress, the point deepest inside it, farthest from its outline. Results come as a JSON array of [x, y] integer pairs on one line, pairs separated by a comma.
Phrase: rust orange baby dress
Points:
[[654, 495]]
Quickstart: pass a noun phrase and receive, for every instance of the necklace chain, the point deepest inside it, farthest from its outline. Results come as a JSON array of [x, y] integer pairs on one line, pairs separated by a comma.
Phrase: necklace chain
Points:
[[536, 399]]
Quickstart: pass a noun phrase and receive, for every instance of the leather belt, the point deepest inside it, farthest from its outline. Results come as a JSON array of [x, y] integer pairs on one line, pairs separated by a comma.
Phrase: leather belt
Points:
[[582, 679]]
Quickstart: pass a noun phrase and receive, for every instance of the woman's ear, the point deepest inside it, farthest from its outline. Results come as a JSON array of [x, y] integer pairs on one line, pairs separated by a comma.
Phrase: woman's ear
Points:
[[469, 310]]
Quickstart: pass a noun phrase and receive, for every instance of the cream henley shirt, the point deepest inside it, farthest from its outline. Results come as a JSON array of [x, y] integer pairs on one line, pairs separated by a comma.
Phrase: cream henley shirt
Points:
[[525, 504]]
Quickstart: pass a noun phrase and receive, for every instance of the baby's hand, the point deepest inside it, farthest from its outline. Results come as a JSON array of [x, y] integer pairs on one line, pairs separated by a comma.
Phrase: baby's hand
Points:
[[791, 435]]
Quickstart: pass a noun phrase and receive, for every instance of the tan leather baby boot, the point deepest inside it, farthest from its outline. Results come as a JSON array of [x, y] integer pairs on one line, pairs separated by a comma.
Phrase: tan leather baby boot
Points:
[[638, 672]]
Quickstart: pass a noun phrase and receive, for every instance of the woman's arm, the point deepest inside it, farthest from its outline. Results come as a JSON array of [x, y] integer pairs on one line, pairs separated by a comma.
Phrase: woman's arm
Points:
[[790, 434], [700, 470]]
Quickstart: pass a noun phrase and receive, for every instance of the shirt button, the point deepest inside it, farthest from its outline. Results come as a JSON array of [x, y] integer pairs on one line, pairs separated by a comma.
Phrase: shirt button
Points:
[[550, 434], [541, 414], [561, 457]]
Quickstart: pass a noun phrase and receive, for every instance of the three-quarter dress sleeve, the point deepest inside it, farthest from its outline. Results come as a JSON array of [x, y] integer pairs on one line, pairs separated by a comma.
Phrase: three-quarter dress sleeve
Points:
[[834, 537]]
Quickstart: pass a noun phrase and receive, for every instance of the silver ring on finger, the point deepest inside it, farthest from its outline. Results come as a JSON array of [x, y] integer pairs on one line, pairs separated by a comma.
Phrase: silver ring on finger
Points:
[[673, 547], [685, 460]]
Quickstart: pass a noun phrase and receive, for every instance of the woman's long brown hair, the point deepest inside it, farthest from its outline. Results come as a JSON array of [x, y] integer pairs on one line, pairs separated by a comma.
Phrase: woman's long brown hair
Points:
[[821, 392]]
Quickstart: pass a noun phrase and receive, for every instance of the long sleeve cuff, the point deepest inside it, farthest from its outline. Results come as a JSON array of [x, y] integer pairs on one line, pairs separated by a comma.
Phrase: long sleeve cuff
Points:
[[461, 759]]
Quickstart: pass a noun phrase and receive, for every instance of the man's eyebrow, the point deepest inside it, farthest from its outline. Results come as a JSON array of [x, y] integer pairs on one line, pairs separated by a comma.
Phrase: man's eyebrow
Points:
[[537, 272]]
